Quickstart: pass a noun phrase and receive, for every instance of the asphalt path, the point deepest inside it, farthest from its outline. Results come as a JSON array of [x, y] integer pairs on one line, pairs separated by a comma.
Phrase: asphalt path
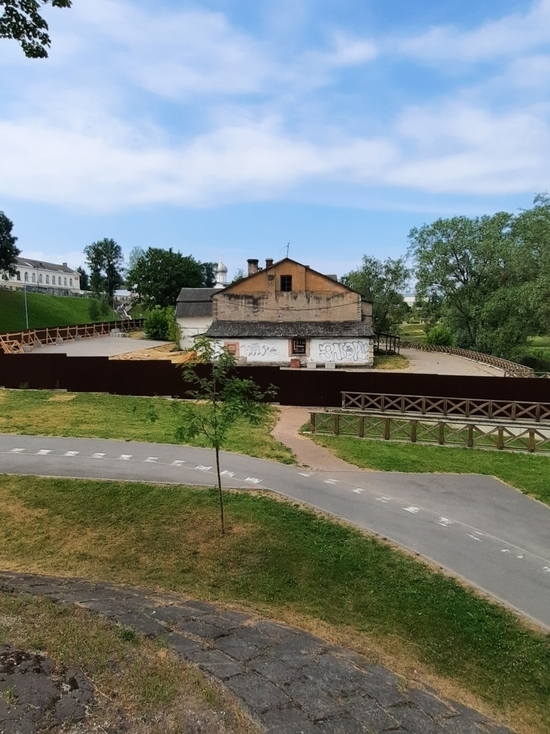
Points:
[[474, 526]]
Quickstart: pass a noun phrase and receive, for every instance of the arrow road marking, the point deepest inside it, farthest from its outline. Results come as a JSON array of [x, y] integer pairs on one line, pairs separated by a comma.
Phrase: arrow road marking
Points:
[[445, 522], [253, 480], [17, 451], [385, 500], [44, 452], [226, 473], [358, 490], [304, 474], [71, 453], [200, 467], [151, 460], [125, 457], [98, 456], [474, 537], [332, 481], [179, 462], [413, 510]]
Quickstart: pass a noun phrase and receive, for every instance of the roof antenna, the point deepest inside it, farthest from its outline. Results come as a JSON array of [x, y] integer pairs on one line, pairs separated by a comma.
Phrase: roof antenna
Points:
[[287, 248]]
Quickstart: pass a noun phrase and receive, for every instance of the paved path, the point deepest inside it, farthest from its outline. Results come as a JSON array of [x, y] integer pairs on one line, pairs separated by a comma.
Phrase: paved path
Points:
[[475, 526], [290, 681], [99, 346], [439, 363]]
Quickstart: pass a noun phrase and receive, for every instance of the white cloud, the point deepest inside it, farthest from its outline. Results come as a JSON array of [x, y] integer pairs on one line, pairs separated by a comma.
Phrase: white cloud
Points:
[[506, 37]]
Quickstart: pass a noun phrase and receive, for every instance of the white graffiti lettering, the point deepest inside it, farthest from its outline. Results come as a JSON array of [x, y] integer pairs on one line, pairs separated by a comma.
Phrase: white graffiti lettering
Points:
[[343, 351], [259, 350]]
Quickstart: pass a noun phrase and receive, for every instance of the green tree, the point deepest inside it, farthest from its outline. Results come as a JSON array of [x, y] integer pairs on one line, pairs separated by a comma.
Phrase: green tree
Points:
[[223, 398], [84, 279], [161, 324], [487, 276], [239, 275], [105, 261], [158, 275], [383, 283], [8, 250], [21, 20], [209, 271]]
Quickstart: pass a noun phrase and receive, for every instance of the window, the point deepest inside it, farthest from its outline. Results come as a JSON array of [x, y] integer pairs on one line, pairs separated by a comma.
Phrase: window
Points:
[[71, 282], [298, 346], [18, 275], [286, 283], [47, 279], [40, 278], [53, 279], [33, 278], [232, 348], [26, 277], [64, 281]]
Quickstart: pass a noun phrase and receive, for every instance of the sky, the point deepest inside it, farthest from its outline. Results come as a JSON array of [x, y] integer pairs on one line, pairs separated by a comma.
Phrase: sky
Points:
[[227, 129]]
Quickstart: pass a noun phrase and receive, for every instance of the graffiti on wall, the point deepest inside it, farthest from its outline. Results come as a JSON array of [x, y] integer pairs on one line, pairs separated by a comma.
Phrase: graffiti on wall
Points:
[[256, 349], [356, 351]]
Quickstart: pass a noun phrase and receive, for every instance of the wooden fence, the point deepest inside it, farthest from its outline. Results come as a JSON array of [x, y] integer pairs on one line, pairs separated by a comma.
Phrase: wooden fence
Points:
[[466, 433], [447, 406], [13, 342], [510, 369]]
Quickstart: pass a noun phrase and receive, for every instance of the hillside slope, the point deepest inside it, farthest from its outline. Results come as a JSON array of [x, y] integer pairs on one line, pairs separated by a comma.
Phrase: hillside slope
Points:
[[44, 311]]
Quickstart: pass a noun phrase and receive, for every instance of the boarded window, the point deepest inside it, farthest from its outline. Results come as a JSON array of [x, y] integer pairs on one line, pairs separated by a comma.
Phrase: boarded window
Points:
[[298, 346], [232, 348], [286, 283]]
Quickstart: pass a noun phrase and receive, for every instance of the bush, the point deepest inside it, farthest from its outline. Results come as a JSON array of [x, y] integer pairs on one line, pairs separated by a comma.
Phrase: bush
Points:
[[161, 324], [440, 335]]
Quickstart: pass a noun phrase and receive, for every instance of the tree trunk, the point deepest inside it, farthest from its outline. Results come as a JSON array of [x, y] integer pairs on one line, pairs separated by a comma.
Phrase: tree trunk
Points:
[[220, 491]]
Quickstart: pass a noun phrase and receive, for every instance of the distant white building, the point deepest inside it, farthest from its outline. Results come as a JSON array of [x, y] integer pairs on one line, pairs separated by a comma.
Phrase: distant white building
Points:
[[36, 275], [194, 308]]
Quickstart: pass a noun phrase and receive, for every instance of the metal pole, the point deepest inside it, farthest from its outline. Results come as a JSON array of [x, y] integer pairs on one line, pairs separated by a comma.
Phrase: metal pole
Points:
[[26, 308]]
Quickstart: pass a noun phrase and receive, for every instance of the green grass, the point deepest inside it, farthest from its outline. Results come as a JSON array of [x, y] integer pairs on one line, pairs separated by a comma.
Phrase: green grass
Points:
[[412, 332], [82, 415], [44, 310], [390, 362], [530, 474], [282, 560]]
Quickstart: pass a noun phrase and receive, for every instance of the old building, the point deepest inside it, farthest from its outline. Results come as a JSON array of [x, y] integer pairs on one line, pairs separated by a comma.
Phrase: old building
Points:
[[194, 308], [44, 277], [289, 314]]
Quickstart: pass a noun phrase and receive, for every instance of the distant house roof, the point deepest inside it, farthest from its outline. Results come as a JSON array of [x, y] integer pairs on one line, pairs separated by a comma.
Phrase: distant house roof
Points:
[[195, 302], [25, 262], [289, 329]]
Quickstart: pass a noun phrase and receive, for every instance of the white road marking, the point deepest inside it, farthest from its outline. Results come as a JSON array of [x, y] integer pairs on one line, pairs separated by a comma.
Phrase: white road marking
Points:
[[304, 474], [520, 556], [253, 480], [383, 499], [474, 537], [98, 456], [445, 522], [412, 509], [125, 457], [151, 460], [358, 490], [71, 453], [17, 451], [332, 481], [546, 569], [179, 462], [200, 467], [505, 550], [226, 473], [44, 452]]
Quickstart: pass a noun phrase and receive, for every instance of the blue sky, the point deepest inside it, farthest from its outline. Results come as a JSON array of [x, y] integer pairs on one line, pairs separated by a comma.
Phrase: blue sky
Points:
[[226, 129]]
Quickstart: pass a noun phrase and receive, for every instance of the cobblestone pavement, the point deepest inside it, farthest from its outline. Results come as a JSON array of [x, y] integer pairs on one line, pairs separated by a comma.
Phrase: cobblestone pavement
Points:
[[290, 681]]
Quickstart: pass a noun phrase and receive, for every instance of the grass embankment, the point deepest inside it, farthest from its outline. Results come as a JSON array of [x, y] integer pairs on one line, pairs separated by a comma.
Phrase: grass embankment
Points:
[[44, 310], [390, 362], [287, 562], [530, 474], [88, 415], [413, 332], [143, 688]]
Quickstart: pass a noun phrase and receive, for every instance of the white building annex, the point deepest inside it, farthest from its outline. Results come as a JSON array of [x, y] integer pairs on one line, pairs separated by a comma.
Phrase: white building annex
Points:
[[44, 277]]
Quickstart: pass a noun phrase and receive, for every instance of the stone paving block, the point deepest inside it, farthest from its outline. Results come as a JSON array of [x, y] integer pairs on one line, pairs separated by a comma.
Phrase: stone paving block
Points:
[[217, 663], [316, 702], [383, 687], [237, 648], [415, 720], [341, 725], [273, 630], [257, 693], [335, 676], [288, 721], [460, 725], [181, 644], [200, 629], [276, 671], [429, 703], [140, 622], [368, 712], [297, 650]]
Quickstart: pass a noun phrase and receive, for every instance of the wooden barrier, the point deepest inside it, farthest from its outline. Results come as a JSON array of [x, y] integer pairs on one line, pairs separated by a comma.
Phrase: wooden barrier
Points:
[[510, 369]]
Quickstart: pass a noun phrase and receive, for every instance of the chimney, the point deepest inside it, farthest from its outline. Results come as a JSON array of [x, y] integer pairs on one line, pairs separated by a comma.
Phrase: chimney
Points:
[[64, 265], [252, 267], [269, 262]]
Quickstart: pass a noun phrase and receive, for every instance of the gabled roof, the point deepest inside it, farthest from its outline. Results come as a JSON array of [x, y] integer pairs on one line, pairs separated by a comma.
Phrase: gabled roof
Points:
[[195, 302], [332, 278], [26, 262], [289, 329]]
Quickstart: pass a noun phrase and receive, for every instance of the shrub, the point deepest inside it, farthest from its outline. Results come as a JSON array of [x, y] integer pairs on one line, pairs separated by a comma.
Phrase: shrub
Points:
[[161, 324], [440, 335]]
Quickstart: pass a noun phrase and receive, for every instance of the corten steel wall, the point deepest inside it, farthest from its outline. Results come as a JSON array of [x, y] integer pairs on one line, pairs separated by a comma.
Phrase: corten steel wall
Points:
[[295, 387]]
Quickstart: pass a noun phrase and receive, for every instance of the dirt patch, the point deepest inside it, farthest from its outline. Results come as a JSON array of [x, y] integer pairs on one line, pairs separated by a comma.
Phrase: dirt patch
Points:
[[64, 397]]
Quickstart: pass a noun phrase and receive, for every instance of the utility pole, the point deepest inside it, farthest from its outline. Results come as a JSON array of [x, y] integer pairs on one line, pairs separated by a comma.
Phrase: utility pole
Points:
[[287, 248]]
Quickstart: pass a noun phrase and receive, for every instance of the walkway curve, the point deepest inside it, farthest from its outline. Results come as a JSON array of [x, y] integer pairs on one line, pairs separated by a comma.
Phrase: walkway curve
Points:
[[290, 681], [474, 526]]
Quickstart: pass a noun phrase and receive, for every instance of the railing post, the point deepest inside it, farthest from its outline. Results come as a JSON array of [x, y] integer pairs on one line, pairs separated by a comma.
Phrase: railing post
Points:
[[336, 424], [441, 440], [445, 407], [414, 425], [312, 422], [514, 410], [537, 412], [490, 409], [470, 437], [500, 438], [531, 447], [362, 427], [362, 401], [387, 429], [423, 405]]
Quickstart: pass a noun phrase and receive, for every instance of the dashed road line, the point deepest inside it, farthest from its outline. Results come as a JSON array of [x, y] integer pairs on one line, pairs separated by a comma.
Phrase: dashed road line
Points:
[[151, 460], [332, 481], [17, 451], [305, 474], [201, 467], [71, 453], [179, 462], [474, 537], [383, 499], [253, 480], [412, 509], [227, 473], [125, 457], [359, 490], [44, 452], [445, 521], [98, 455]]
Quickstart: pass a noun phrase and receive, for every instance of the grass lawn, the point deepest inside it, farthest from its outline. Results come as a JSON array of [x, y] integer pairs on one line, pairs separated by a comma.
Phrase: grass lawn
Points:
[[284, 561], [44, 311], [412, 332], [530, 474], [143, 688], [82, 415], [390, 362]]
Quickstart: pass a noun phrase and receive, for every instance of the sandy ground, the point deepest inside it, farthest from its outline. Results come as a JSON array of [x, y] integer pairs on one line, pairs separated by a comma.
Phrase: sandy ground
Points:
[[439, 363], [99, 346]]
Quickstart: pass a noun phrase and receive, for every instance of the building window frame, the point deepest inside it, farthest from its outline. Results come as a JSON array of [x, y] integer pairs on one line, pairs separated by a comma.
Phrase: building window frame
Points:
[[285, 283], [233, 348], [298, 347]]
